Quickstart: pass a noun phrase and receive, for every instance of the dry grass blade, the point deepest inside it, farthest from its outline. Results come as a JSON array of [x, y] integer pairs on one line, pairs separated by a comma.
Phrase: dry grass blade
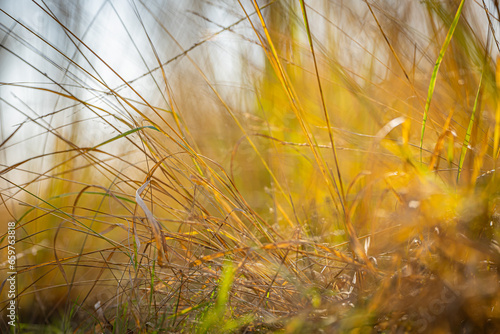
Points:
[[155, 227]]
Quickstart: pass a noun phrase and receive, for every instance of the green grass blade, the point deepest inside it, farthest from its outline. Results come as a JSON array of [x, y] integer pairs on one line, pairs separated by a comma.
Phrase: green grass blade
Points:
[[496, 132], [432, 83], [126, 133], [469, 131], [93, 193]]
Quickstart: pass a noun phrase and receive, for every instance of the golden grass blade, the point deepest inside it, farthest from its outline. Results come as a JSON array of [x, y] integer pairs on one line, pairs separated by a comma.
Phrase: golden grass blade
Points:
[[323, 103]]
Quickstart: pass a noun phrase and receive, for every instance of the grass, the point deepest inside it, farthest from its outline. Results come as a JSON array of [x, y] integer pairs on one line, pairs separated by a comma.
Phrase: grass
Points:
[[251, 167]]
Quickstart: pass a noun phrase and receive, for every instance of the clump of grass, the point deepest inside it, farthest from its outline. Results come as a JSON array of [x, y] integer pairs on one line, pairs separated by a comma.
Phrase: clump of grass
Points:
[[266, 167]]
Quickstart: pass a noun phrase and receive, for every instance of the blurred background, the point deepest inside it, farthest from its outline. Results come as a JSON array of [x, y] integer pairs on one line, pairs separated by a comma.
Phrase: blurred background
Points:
[[96, 95]]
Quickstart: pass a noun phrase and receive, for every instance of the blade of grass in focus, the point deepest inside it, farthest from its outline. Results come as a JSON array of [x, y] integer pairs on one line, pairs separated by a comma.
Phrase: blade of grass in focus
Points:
[[435, 72]]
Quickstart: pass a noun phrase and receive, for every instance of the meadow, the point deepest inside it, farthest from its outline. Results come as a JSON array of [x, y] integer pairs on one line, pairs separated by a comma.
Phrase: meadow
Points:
[[250, 166]]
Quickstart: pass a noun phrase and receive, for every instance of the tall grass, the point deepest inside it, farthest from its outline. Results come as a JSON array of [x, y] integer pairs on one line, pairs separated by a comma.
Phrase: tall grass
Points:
[[279, 166]]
